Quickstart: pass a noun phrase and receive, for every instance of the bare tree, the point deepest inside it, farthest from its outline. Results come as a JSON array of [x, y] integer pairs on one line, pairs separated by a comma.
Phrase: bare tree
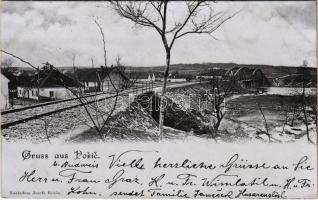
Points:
[[119, 65], [295, 107], [96, 110], [98, 106], [92, 62], [219, 90], [103, 40], [200, 19], [46, 122], [313, 105], [286, 111], [19, 58], [304, 74], [6, 64], [31, 65], [266, 132], [73, 58], [129, 80]]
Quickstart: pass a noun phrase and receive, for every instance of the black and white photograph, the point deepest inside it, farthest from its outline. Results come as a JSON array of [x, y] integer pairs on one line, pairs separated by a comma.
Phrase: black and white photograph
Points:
[[159, 99]]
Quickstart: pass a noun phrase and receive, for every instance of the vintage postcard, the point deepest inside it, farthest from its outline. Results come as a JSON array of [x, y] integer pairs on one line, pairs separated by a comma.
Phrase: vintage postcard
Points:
[[159, 99]]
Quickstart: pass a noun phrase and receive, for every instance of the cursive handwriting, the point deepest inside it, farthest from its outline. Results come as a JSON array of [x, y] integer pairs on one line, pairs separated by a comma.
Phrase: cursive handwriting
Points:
[[119, 161], [134, 174], [30, 177], [185, 164], [119, 177], [71, 174], [79, 191], [302, 164], [274, 194], [236, 163], [235, 180]]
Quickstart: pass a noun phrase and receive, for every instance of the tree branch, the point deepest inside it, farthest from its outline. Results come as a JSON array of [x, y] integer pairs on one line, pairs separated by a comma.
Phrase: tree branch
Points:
[[104, 43], [17, 57]]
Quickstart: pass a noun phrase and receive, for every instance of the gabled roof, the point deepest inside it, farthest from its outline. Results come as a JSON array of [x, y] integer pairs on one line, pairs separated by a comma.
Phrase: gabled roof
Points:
[[96, 74], [49, 76], [87, 75], [23, 80]]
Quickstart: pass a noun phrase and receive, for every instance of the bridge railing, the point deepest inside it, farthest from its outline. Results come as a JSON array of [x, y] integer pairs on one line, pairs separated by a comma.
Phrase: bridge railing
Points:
[[143, 86]]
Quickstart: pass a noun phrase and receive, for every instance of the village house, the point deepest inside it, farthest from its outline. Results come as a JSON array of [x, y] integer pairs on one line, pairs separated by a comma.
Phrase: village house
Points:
[[174, 80], [101, 79], [16, 78], [4, 92], [48, 84], [175, 77], [146, 78]]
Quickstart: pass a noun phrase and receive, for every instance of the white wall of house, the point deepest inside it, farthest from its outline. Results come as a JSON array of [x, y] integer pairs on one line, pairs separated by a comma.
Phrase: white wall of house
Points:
[[177, 80], [90, 84], [55, 93], [4, 92], [33, 93], [23, 92]]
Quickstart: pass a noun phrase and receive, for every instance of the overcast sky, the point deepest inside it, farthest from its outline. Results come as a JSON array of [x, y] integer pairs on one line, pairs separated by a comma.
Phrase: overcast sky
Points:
[[276, 33]]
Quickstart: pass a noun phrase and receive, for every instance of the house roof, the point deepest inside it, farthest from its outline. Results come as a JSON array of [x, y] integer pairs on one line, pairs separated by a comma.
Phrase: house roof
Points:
[[95, 74], [87, 75], [49, 76], [22, 80]]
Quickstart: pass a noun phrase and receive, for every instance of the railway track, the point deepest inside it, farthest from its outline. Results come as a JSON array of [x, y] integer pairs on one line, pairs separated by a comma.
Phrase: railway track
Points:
[[22, 115]]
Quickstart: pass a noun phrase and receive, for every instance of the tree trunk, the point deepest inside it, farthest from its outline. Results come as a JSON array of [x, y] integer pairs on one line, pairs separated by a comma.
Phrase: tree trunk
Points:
[[294, 112], [163, 92], [38, 81], [218, 123], [306, 123], [285, 121], [265, 123], [305, 114], [219, 117]]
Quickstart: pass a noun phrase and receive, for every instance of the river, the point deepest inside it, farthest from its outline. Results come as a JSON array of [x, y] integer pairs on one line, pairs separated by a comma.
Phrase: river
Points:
[[288, 91]]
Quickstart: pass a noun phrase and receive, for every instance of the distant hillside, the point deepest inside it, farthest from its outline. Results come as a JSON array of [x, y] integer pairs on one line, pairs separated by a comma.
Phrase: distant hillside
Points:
[[269, 70]]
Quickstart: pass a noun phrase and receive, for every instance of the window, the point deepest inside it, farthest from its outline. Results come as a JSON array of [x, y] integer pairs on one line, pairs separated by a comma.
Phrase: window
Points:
[[51, 93], [32, 93]]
